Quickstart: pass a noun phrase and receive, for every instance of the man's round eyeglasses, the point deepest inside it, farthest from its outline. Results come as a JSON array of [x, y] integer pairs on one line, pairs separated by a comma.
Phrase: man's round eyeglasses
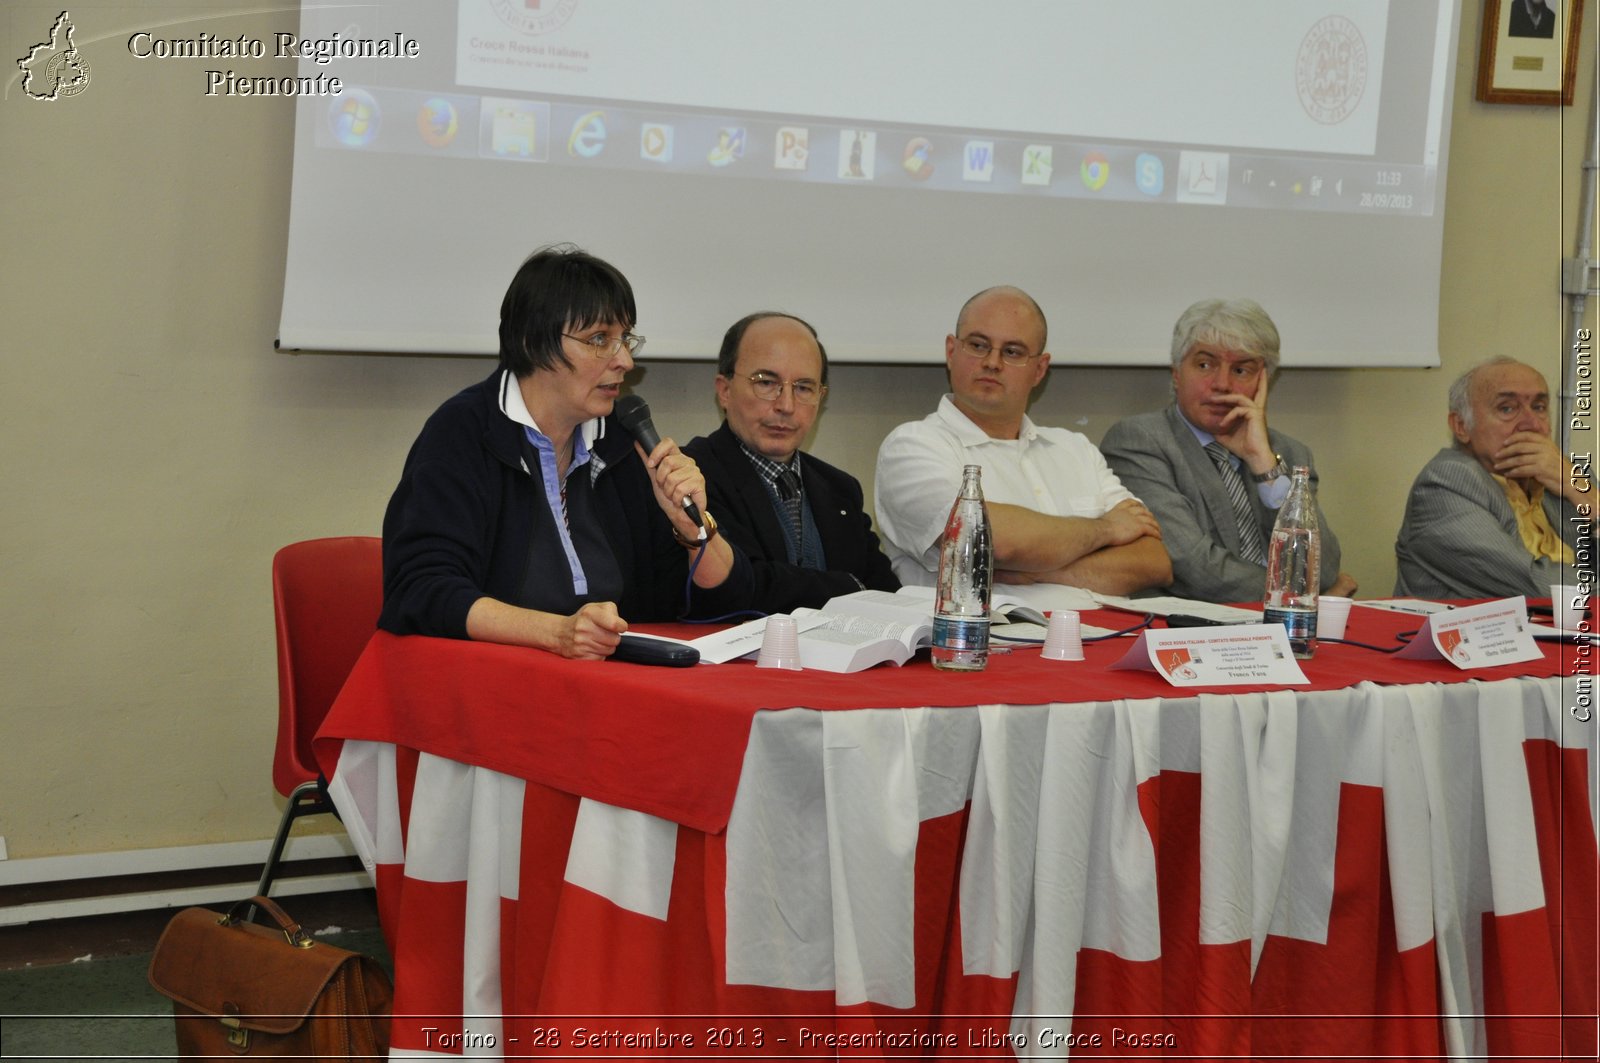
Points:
[[1011, 353], [768, 387], [603, 346]]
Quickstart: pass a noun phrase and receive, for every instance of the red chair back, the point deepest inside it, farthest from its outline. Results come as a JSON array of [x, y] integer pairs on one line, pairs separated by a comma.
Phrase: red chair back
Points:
[[326, 594]]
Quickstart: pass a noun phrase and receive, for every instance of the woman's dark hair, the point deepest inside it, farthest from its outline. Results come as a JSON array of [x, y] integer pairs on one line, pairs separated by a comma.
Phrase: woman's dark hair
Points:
[[728, 356], [559, 289]]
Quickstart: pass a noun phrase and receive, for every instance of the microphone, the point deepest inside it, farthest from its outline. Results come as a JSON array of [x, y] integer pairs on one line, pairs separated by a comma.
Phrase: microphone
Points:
[[633, 413]]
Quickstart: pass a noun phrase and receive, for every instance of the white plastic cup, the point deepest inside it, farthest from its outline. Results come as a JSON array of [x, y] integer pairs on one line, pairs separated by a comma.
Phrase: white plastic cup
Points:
[[1570, 604], [780, 644], [1063, 639], [1333, 613]]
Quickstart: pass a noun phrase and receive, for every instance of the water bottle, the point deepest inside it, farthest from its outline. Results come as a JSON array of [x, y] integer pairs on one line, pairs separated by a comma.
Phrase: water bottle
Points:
[[966, 569], [1294, 567]]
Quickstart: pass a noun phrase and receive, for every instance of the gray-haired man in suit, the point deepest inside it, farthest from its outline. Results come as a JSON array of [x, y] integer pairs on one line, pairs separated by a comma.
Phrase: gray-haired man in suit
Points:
[[1208, 466], [1498, 513]]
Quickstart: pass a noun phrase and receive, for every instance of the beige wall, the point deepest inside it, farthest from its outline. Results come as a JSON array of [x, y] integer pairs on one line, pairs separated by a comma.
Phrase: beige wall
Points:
[[156, 450]]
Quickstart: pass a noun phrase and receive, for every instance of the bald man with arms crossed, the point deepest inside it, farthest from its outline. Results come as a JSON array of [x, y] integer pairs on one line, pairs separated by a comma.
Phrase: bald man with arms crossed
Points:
[[1058, 513]]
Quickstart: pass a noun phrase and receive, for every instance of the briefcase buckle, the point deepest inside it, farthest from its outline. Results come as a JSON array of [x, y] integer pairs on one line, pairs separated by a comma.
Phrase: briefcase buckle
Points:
[[238, 1037]]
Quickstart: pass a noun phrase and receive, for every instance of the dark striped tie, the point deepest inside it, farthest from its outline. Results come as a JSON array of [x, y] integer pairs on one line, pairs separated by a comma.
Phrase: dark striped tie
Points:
[[788, 483], [1251, 546]]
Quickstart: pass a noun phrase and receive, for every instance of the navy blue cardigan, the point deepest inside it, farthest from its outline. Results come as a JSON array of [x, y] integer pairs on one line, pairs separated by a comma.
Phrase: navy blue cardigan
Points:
[[469, 519]]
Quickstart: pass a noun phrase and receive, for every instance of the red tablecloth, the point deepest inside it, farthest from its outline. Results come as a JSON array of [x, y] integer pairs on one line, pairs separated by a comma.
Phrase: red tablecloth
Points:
[[602, 860], [670, 741]]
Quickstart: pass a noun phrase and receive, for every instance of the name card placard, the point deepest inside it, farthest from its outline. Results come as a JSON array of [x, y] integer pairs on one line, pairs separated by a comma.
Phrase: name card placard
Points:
[[1477, 636], [1234, 655]]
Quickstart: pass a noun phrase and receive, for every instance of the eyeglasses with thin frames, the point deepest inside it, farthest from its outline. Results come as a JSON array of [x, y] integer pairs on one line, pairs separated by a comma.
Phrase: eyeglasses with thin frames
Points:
[[768, 387], [603, 346], [1011, 353]]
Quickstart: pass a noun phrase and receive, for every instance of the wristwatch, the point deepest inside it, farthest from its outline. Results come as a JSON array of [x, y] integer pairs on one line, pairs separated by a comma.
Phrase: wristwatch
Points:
[[1280, 469], [695, 544]]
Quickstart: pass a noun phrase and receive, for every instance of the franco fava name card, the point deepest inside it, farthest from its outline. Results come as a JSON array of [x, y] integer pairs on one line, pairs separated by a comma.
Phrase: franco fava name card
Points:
[[1232, 655], [1477, 636]]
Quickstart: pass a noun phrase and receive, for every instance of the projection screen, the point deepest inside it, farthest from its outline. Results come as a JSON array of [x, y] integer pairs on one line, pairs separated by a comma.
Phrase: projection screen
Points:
[[870, 165]]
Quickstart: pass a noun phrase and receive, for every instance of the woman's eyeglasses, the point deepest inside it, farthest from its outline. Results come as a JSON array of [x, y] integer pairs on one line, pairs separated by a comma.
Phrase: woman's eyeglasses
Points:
[[603, 346]]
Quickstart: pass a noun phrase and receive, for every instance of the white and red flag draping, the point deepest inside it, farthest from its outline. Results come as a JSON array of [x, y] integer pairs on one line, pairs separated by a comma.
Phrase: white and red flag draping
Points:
[[1367, 871]]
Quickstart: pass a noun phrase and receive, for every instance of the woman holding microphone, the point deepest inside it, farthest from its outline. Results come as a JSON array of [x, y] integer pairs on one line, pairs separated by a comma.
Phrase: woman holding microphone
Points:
[[526, 513]]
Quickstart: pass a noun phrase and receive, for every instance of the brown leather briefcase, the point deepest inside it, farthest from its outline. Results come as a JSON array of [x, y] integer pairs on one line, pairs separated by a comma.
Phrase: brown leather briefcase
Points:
[[239, 989]]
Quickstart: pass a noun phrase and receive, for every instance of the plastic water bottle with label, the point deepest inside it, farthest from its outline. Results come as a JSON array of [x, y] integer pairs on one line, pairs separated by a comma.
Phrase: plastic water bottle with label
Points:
[[966, 569], [1294, 567]]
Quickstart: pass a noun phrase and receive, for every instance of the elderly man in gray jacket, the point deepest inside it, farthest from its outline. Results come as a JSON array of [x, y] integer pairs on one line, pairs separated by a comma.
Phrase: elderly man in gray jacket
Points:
[[1501, 511]]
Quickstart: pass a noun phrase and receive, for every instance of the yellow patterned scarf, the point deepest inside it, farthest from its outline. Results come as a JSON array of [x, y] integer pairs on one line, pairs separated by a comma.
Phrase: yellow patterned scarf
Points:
[[1532, 525]]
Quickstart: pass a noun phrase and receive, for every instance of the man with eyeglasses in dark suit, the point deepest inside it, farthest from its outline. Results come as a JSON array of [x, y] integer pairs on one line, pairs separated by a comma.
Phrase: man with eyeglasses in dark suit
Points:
[[801, 521], [1058, 513]]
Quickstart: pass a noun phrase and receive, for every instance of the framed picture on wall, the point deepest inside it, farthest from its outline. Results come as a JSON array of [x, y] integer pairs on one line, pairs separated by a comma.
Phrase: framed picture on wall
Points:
[[1529, 52]]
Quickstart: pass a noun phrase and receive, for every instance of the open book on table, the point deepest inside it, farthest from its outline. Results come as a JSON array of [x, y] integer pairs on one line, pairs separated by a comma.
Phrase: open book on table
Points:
[[856, 631], [849, 633], [853, 631]]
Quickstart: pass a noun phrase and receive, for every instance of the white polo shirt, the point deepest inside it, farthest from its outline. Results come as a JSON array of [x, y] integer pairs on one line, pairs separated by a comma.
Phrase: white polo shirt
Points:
[[1051, 470]]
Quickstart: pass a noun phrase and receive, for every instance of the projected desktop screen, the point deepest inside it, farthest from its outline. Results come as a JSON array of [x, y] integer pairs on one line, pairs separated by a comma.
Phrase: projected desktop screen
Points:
[[869, 166]]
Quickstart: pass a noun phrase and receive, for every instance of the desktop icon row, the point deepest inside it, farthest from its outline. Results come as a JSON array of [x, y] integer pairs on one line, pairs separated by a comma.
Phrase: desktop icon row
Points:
[[534, 130]]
